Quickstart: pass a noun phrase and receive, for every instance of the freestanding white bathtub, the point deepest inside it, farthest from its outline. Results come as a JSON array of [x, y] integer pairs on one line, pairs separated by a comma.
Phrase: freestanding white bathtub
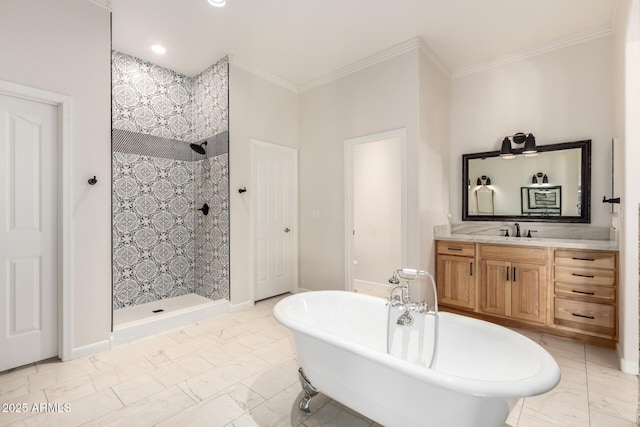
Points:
[[480, 371]]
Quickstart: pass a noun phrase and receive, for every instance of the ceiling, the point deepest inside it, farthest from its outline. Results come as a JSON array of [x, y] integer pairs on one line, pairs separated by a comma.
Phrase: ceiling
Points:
[[303, 40]]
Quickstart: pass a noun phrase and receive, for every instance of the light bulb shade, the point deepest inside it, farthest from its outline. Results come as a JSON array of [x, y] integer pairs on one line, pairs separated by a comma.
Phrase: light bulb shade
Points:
[[534, 179], [505, 150], [488, 181], [530, 145], [478, 182], [545, 180]]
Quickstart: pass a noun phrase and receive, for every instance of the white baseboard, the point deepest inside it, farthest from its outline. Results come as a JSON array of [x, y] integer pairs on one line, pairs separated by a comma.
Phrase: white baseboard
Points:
[[303, 290], [88, 350], [626, 366], [241, 306]]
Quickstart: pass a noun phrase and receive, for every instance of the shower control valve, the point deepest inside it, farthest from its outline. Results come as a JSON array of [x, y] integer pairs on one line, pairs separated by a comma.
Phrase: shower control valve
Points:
[[204, 209]]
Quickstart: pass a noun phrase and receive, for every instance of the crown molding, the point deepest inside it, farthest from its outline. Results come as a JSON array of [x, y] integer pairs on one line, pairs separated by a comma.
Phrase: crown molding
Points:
[[544, 48], [105, 4], [426, 49], [259, 72], [414, 43], [614, 15]]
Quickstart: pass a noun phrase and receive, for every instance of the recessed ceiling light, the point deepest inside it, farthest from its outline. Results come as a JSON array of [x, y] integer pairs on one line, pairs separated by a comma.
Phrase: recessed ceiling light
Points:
[[217, 3], [158, 49]]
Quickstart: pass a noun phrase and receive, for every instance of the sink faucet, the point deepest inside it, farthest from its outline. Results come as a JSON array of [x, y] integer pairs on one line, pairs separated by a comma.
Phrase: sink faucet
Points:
[[517, 229]]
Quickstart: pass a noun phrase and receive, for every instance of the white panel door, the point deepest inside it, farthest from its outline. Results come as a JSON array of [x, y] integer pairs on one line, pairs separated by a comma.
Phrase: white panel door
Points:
[[28, 232], [273, 176]]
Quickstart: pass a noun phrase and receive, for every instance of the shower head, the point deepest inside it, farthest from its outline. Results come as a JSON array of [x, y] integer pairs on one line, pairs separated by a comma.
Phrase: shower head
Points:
[[198, 148]]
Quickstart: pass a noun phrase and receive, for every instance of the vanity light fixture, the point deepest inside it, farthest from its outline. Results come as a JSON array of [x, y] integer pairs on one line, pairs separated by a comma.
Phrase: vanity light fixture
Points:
[[529, 141], [159, 49], [530, 149], [540, 178], [505, 151], [483, 180], [217, 3]]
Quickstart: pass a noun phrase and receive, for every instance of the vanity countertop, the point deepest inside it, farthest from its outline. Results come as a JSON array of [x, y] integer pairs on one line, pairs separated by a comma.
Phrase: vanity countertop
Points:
[[603, 245]]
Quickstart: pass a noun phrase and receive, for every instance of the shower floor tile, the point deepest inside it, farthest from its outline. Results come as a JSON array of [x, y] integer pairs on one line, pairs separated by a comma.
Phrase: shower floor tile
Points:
[[145, 312]]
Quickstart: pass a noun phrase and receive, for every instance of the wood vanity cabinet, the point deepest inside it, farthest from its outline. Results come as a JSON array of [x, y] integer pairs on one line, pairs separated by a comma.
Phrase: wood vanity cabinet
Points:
[[455, 276], [585, 292], [514, 282], [567, 292]]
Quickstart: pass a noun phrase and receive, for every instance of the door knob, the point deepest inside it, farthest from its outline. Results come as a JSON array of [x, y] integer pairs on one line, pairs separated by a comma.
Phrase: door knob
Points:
[[286, 230]]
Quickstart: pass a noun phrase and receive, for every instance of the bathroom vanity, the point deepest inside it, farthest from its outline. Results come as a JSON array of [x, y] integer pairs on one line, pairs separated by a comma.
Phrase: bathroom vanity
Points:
[[565, 287]]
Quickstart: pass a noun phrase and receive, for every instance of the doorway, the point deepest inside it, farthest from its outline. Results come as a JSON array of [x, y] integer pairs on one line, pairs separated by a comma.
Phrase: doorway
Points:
[[35, 226], [375, 239], [274, 219]]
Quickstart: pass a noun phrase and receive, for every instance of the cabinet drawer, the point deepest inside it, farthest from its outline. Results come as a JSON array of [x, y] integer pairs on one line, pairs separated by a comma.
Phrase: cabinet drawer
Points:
[[456, 248], [587, 276], [575, 290], [589, 259], [514, 254], [587, 316]]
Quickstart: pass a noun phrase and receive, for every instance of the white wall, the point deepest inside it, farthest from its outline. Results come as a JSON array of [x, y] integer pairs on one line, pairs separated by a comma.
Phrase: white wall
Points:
[[377, 209], [63, 47], [560, 96], [627, 129], [432, 161], [373, 100], [262, 110], [406, 91]]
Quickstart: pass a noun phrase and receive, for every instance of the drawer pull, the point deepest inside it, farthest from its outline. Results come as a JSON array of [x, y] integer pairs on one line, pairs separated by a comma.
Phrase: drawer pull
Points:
[[582, 315], [455, 249], [471, 268], [583, 275], [582, 292], [583, 259]]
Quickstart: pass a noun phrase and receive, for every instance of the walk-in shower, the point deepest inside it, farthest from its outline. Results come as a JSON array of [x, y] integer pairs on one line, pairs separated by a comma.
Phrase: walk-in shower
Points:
[[170, 192]]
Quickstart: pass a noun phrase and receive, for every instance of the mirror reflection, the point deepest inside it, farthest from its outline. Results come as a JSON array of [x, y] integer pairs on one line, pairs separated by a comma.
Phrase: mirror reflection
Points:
[[552, 186]]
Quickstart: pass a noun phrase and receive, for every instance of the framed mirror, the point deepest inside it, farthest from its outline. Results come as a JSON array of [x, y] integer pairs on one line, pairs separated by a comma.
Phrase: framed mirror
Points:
[[554, 186]]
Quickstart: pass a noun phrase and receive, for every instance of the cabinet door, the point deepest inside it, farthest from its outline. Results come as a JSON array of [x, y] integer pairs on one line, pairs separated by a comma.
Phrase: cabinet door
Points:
[[455, 281], [529, 292], [495, 294]]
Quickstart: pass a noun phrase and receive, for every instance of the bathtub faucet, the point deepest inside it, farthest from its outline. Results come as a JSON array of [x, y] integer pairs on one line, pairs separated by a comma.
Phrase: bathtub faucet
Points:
[[403, 301], [400, 296]]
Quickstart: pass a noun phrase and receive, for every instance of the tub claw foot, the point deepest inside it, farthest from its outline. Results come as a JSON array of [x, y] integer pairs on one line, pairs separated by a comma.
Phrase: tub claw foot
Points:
[[308, 389], [303, 405]]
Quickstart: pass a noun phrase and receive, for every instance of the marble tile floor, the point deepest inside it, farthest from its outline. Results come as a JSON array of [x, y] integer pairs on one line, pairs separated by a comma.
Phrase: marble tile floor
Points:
[[239, 370]]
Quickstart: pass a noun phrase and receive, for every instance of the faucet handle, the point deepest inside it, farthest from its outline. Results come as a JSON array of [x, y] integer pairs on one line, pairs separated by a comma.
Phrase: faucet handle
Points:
[[506, 231], [531, 231]]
